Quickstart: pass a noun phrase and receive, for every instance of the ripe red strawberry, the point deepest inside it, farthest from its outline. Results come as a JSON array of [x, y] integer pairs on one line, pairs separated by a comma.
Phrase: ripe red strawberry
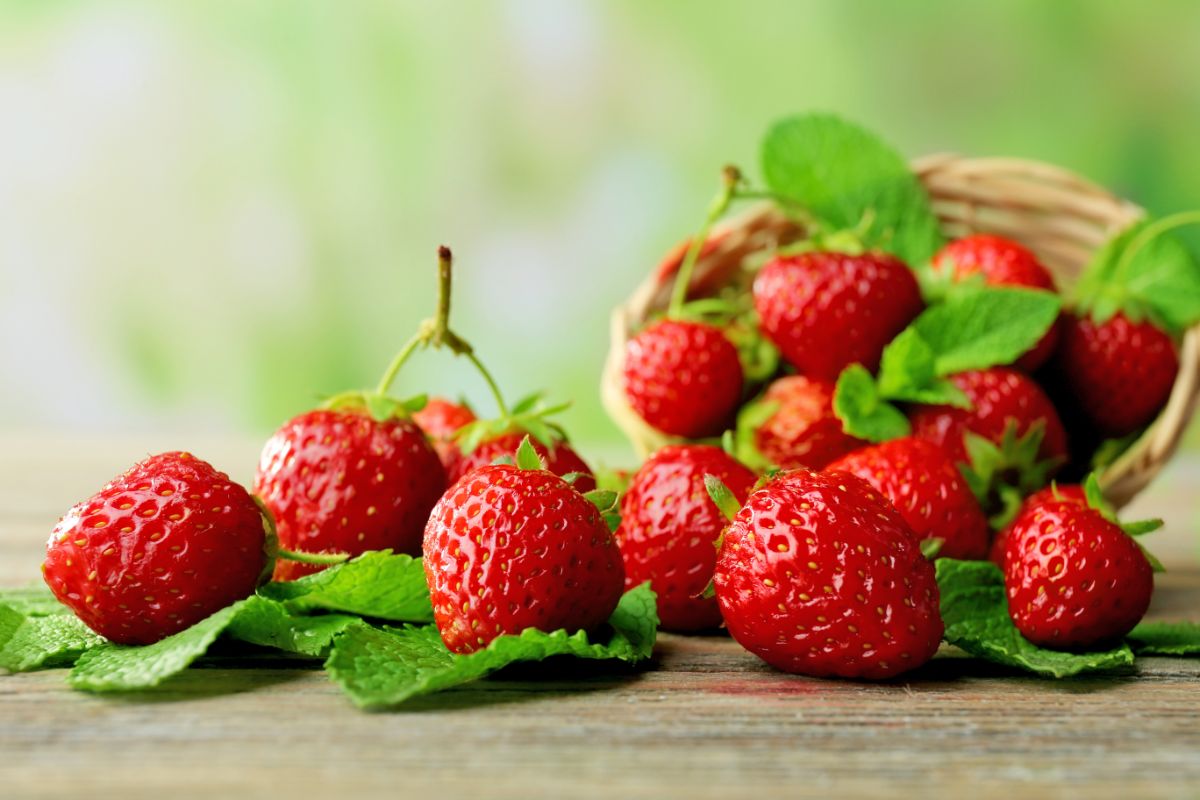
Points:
[[158, 549], [997, 396], [819, 575], [1119, 372], [1074, 579], [441, 419], [508, 549], [1000, 262], [1057, 493], [827, 310], [801, 430], [927, 489], [559, 458], [683, 378], [669, 529], [342, 481]]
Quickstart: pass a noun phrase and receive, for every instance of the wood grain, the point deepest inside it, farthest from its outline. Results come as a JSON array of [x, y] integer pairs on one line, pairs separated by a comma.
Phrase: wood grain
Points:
[[706, 720]]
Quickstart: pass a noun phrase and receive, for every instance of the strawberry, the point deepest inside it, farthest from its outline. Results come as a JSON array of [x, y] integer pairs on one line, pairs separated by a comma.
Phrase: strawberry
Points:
[[999, 262], [508, 548], [683, 378], [558, 457], [826, 310], [1002, 399], [1074, 579], [793, 425], [1119, 372], [158, 549], [819, 575], [927, 489], [339, 480], [440, 419], [1055, 493], [669, 530]]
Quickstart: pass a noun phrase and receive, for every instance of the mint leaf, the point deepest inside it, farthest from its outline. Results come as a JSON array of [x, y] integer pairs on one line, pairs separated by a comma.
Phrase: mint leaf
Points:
[[908, 371], [117, 668], [269, 624], [975, 611], [379, 668], [1165, 639], [863, 412], [376, 584], [32, 601], [845, 175], [985, 327], [28, 643]]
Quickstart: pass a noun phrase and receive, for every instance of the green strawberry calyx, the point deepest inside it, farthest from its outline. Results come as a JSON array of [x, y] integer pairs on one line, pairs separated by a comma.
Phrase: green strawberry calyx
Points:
[[1001, 475], [1098, 502]]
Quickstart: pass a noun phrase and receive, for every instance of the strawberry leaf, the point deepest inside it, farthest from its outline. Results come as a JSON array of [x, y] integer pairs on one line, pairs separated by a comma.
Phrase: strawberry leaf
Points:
[[1165, 639], [975, 612], [381, 668], [863, 411], [842, 174], [378, 584]]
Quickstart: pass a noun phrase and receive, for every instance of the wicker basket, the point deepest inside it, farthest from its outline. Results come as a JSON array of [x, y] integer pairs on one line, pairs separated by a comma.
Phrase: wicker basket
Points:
[[1060, 216]]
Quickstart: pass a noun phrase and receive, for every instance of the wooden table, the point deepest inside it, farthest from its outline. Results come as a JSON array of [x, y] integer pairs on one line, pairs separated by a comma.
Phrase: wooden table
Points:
[[708, 720]]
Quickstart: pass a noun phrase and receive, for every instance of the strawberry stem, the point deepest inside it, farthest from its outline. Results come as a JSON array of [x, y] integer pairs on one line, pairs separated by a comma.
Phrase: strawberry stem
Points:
[[393, 369], [319, 559], [731, 178]]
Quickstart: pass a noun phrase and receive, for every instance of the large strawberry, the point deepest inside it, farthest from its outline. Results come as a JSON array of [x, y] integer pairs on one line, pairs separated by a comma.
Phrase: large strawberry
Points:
[[509, 548], [999, 262], [924, 484], [1054, 493], [826, 310], [793, 425], [1074, 578], [819, 575], [669, 529], [441, 419], [158, 549]]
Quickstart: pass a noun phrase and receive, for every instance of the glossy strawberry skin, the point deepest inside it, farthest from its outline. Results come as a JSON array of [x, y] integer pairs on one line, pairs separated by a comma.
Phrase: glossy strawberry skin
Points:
[[669, 530], [925, 486], [683, 378], [560, 459], [508, 549], [1119, 372], [997, 395], [341, 481], [440, 419], [167, 544], [1073, 579], [818, 575], [1066, 493], [803, 431], [827, 310], [1001, 262]]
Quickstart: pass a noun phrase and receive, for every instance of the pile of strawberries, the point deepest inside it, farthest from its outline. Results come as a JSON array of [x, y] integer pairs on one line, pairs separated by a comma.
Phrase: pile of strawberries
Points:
[[836, 426]]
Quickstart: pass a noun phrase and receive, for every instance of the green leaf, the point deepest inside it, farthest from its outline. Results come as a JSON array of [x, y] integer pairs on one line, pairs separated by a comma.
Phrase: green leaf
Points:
[[975, 612], [985, 327], [907, 372], [1165, 639], [379, 668], [381, 407], [34, 642], [33, 601], [376, 584], [843, 174], [269, 624], [527, 456], [117, 668], [857, 403], [722, 497]]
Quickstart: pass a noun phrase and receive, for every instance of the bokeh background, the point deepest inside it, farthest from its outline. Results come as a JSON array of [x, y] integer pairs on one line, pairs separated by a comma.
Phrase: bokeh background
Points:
[[212, 212]]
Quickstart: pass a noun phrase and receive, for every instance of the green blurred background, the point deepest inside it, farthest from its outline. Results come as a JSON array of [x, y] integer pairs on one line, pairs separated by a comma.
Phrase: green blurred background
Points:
[[212, 212]]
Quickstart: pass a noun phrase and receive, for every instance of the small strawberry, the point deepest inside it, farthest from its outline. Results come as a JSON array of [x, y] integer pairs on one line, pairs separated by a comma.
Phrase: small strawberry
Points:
[[1055, 493], [440, 419], [669, 529], [158, 549], [793, 425], [509, 548], [819, 575], [558, 457], [826, 310], [999, 262], [1074, 577], [1119, 372], [927, 489]]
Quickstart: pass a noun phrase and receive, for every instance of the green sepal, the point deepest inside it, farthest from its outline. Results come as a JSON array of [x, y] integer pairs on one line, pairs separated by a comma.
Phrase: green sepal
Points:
[[528, 457], [750, 418], [1112, 449], [989, 467], [1098, 502], [722, 497], [532, 418], [608, 504], [932, 546]]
